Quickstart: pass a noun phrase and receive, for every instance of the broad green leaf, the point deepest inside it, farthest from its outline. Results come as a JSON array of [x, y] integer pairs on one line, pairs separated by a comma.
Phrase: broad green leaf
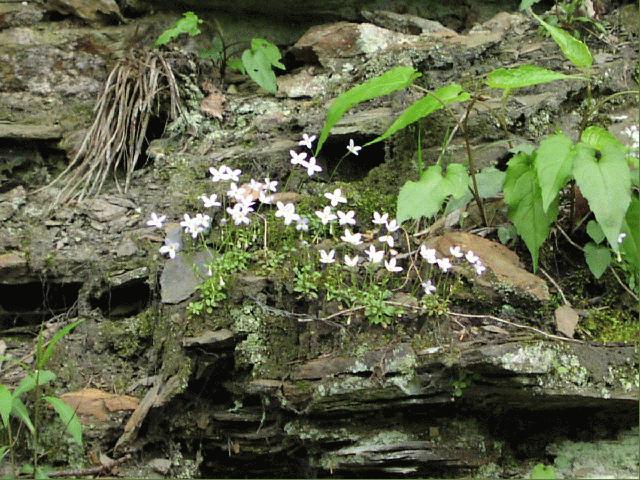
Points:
[[543, 472], [598, 258], [6, 403], [630, 245], [32, 380], [606, 184], [594, 231], [522, 194], [601, 139], [527, 4], [524, 76], [187, 24], [490, 181], [271, 51], [395, 79], [553, 164], [424, 107], [424, 198], [575, 50], [258, 67], [68, 416], [19, 411], [236, 64], [45, 356]]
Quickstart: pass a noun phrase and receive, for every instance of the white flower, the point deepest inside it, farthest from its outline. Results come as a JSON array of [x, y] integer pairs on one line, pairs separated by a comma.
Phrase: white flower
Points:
[[391, 266], [375, 256], [393, 252], [429, 254], [336, 197], [237, 193], [429, 287], [480, 268], [456, 251], [388, 239], [270, 185], [351, 261], [170, 248], [255, 185], [634, 134], [210, 201], [621, 237], [203, 221], [471, 257], [266, 199], [227, 173], [444, 264], [380, 219], [156, 221], [302, 224], [240, 213], [187, 223], [311, 166], [326, 215], [327, 257], [392, 226], [287, 212], [352, 147], [216, 175], [307, 140], [346, 218], [352, 238], [297, 158]]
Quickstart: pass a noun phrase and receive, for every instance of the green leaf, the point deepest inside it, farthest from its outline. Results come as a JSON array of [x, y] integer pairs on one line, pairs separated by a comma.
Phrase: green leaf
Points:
[[271, 51], [68, 416], [3, 453], [601, 139], [490, 181], [19, 411], [395, 79], [527, 4], [575, 50], [594, 231], [424, 107], [236, 64], [187, 24], [258, 67], [524, 76], [598, 258], [631, 244], [6, 403], [543, 472], [606, 184], [524, 197], [424, 198], [553, 164], [45, 356], [32, 380]]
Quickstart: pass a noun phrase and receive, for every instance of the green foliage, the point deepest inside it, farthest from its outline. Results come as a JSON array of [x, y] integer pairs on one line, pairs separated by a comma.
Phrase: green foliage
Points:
[[68, 416], [553, 162], [576, 51], [376, 308], [490, 182], [595, 232], [49, 350], [259, 61], [395, 79], [523, 194], [630, 246], [424, 107], [307, 280], [527, 4], [598, 258], [424, 198], [188, 24], [523, 76], [543, 472]]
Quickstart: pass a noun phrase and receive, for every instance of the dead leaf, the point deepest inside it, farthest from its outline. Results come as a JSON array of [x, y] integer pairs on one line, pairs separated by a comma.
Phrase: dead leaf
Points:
[[494, 329], [286, 197], [214, 104], [566, 320], [92, 402]]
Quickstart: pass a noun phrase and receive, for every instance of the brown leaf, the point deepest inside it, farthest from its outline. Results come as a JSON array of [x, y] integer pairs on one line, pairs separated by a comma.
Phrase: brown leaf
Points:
[[566, 320], [92, 402], [286, 197], [213, 104]]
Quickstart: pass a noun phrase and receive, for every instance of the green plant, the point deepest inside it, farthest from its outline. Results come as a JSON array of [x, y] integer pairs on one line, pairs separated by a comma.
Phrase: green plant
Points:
[[307, 280], [188, 24], [543, 472], [259, 62], [12, 403], [378, 310]]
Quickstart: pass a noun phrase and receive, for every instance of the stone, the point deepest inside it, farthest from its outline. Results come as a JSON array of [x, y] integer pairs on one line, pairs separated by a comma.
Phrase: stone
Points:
[[103, 211], [12, 264], [406, 23], [15, 131], [302, 84], [178, 280], [160, 465], [212, 339], [19, 14], [92, 11]]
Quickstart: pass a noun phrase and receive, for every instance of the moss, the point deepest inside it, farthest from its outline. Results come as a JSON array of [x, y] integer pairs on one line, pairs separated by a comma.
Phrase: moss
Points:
[[128, 337], [611, 326]]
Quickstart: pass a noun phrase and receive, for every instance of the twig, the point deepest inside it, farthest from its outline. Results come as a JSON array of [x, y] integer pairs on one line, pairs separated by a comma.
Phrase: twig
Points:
[[622, 284], [555, 284], [568, 238], [518, 325], [85, 472]]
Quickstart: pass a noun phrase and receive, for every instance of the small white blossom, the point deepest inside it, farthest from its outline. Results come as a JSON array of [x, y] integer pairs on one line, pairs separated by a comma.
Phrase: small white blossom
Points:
[[203, 221], [210, 201], [375, 256], [255, 185], [352, 147], [235, 192], [429, 288], [327, 257], [311, 166], [480, 268], [444, 264], [456, 251], [326, 215], [227, 173], [429, 254], [169, 248], [471, 257], [346, 218], [297, 158], [266, 199], [270, 185], [380, 219], [621, 237], [307, 140], [388, 239], [351, 261], [391, 266], [216, 175], [287, 212], [156, 221], [336, 197], [240, 213], [392, 226], [352, 238], [302, 224]]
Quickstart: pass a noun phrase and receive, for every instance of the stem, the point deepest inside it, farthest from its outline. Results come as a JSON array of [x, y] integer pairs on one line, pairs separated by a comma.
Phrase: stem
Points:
[[472, 164], [333, 172]]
